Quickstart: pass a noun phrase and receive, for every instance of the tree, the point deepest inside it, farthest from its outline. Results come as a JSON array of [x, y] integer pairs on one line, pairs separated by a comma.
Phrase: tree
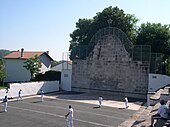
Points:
[[86, 28], [48, 76], [33, 65], [158, 37], [3, 52], [2, 71], [54, 63], [166, 64]]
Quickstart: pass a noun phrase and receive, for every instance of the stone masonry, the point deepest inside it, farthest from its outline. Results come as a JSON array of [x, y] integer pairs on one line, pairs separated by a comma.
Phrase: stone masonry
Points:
[[109, 69]]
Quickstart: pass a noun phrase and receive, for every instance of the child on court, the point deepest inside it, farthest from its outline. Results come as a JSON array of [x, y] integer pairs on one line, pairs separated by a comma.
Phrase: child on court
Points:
[[19, 95], [5, 101], [126, 102], [100, 101], [42, 95]]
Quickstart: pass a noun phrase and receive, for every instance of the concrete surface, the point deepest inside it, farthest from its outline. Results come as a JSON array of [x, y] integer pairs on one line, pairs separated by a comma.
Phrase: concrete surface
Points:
[[50, 113]]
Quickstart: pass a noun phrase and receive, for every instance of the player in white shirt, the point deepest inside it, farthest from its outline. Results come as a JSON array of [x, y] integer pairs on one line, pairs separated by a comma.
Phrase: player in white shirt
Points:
[[42, 95], [69, 116], [126, 102], [5, 101], [161, 114], [100, 101]]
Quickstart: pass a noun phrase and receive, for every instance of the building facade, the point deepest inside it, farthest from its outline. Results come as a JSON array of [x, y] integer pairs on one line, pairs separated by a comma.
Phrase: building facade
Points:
[[14, 63]]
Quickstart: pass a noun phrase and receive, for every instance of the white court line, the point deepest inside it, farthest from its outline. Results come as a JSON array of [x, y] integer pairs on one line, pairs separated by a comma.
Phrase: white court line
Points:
[[96, 103], [35, 111], [55, 98], [76, 110]]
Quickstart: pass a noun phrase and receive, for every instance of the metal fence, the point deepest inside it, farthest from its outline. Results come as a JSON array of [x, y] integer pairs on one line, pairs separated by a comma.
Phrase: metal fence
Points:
[[138, 53]]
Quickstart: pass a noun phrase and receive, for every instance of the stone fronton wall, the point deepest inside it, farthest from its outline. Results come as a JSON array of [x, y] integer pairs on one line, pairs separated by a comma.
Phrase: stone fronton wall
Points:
[[109, 69]]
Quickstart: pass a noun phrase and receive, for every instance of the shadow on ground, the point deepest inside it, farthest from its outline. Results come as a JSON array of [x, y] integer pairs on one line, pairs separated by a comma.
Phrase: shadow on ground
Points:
[[137, 122], [70, 95]]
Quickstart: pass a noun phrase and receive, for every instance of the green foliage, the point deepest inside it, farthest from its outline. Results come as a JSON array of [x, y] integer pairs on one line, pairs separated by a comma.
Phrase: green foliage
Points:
[[156, 35], [54, 63], [38, 77], [86, 28], [166, 66], [2, 71], [48, 76], [33, 65], [125, 22], [52, 75], [2, 87], [3, 52]]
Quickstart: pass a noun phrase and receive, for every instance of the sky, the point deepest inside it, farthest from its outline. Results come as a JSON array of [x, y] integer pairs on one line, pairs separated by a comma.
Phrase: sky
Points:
[[45, 25]]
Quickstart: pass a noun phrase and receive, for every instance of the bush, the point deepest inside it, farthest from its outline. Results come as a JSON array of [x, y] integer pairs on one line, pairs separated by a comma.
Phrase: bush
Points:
[[52, 75], [38, 77], [48, 76]]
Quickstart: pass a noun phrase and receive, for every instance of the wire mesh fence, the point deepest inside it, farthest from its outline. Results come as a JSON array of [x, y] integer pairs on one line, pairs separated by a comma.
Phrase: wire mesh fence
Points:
[[138, 53]]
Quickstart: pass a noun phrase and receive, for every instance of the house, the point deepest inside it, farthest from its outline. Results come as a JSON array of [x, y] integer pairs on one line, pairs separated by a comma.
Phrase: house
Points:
[[14, 63]]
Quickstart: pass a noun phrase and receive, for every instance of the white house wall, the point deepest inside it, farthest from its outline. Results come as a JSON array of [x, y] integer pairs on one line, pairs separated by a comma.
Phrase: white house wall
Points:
[[66, 80], [15, 71], [2, 93], [157, 81], [44, 68]]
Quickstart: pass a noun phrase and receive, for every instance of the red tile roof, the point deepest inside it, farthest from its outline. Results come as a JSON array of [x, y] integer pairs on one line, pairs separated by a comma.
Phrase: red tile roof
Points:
[[26, 55]]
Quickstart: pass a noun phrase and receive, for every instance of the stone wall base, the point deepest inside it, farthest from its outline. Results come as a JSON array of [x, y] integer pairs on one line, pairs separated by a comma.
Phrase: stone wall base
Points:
[[114, 94]]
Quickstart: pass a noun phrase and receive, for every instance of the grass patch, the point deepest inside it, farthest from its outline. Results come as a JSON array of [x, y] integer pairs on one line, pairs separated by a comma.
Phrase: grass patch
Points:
[[3, 87]]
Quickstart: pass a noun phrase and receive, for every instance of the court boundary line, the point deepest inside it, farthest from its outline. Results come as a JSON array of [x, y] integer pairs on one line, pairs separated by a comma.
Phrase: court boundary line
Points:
[[76, 110], [51, 114]]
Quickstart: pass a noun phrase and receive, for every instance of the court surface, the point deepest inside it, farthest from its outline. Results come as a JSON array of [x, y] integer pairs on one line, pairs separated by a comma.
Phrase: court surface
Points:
[[31, 112]]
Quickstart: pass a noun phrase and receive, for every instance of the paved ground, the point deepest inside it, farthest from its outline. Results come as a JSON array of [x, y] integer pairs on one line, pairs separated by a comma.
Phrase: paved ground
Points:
[[50, 113]]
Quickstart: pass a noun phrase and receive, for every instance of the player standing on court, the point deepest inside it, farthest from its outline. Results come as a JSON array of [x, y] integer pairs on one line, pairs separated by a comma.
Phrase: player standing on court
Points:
[[100, 101], [126, 102], [5, 101], [69, 116], [19, 95], [42, 95]]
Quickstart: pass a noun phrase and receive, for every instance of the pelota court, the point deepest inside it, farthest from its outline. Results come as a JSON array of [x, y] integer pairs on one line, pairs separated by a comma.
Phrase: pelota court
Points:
[[31, 112]]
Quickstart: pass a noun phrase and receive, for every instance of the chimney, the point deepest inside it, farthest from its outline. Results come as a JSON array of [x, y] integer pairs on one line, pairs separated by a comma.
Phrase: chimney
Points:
[[22, 52], [47, 52]]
